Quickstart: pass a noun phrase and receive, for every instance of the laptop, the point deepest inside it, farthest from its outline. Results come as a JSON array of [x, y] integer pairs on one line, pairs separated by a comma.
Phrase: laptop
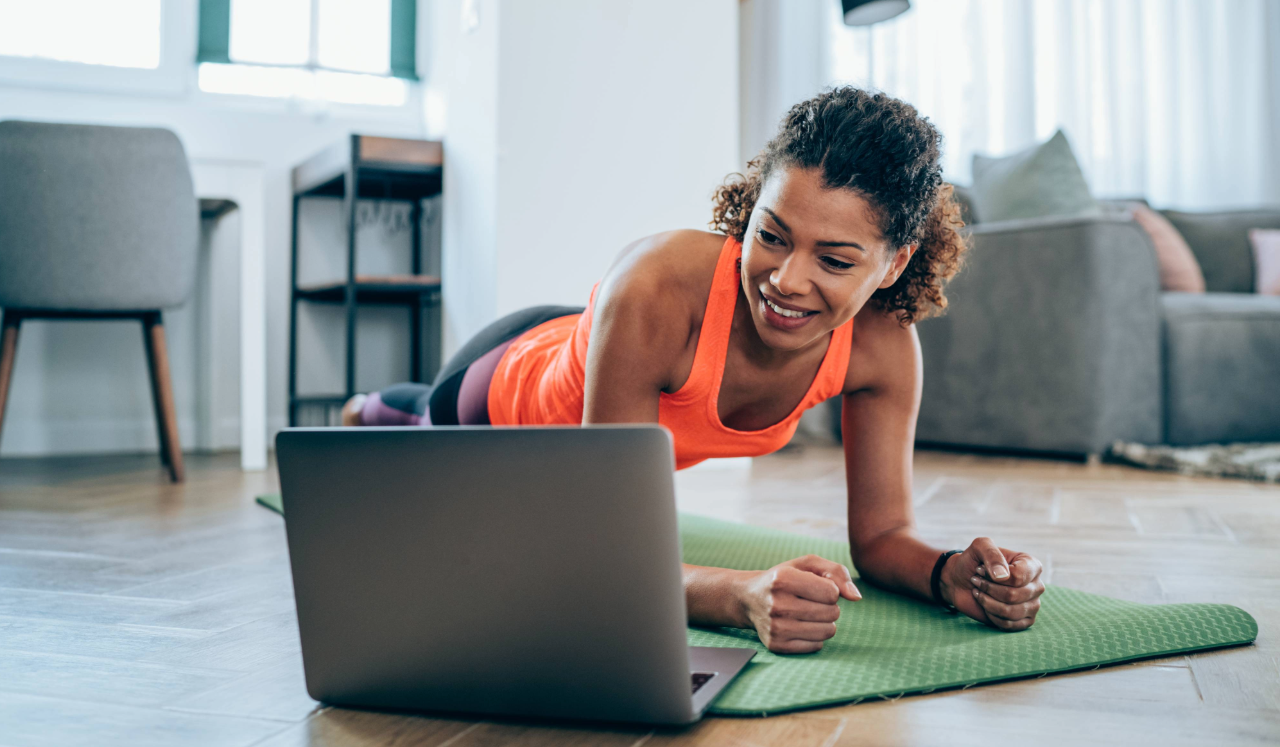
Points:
[[527, 572]]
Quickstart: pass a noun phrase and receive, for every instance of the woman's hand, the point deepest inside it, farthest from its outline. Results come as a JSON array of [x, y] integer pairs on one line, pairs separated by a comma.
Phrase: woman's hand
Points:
[[993, 585], [793, 605]]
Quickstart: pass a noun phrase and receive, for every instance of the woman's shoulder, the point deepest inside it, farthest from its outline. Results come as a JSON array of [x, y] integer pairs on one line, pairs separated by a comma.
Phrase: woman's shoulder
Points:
[[673, 267], [883, 354], [655, 293]]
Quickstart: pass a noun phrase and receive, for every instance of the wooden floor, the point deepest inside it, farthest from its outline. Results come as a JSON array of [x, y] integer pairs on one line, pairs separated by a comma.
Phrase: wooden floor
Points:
[[135, 612]]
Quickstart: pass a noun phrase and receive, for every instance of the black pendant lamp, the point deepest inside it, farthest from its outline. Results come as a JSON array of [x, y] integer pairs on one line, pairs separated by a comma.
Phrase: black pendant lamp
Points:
[[867, 12]]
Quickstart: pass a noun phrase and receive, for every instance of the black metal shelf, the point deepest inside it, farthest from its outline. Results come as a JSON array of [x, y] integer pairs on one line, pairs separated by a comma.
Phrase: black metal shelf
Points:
[[317, 399], [385, 291], [387, 168], [384, 184], [367, 168]]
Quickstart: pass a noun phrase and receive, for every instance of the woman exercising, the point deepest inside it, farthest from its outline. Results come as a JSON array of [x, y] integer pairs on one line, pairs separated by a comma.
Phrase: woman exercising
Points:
[[838, 238]]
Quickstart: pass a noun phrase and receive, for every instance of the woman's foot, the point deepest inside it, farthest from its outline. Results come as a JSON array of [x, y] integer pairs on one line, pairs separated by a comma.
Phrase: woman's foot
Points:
[[351, 410]]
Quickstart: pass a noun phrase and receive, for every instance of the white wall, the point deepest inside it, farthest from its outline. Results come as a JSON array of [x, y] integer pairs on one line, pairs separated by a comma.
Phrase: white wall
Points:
[[82, 387], [469, 69], [575, 128]]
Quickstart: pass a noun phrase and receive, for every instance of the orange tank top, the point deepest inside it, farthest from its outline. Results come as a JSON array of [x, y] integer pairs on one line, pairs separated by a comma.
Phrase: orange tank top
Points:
[[541, 378]]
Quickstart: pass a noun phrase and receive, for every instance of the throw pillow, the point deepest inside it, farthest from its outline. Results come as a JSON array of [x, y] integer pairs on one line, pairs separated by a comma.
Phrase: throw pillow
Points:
[[1179, 270], [1038, 182], [1266, 259]]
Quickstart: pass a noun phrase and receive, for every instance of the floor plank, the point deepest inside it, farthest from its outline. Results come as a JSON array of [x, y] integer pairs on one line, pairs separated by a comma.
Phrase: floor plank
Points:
[[337, 727], [962, 721], [111, 641], [31, 721], [277, 691], [1238, 679], [782, 731], [243, 648], [97, 608]]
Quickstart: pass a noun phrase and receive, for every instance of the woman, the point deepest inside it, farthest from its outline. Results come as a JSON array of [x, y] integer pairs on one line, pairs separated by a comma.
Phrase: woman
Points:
[[838, 238]]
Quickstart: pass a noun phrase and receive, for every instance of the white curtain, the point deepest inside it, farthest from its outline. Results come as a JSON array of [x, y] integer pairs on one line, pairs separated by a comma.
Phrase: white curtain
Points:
[[1174, 100], [783, 59]]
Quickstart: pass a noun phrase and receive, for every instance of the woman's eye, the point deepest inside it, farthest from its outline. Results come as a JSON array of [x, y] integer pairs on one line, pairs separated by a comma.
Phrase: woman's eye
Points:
[[836, 264], [768, 238]]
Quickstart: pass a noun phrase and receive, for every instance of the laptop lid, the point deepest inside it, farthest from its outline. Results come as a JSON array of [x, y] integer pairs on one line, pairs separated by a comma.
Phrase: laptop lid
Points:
[[514, 571]]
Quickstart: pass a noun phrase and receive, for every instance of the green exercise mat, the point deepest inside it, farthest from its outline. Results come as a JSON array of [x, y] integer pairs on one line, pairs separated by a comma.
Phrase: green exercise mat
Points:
[[272, 501], [888, 645]]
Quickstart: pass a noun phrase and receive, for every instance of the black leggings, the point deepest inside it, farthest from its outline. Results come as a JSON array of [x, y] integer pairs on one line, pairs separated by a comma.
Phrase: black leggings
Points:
[[438, 403]]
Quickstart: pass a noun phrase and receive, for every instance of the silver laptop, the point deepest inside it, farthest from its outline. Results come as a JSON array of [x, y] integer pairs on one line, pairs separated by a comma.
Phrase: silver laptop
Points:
[[497, 571]]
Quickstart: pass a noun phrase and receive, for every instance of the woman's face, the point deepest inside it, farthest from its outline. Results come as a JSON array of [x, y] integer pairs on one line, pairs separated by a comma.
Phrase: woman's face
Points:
[[811, 258]]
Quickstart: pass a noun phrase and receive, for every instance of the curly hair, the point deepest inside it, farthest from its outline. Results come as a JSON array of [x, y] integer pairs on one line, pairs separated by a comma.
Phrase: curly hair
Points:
[[882, 149]]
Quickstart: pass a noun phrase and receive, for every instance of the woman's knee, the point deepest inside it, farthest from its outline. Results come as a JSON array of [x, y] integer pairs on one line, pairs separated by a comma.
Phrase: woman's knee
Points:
[[407, 397]]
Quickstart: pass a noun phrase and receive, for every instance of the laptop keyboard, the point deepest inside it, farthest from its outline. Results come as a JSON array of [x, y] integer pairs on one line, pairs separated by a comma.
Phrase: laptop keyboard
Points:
[[702, 678]]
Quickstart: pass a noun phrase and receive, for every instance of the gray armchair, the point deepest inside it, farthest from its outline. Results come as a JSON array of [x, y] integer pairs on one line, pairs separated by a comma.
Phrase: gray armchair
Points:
[[96, 223], [1058, 339]]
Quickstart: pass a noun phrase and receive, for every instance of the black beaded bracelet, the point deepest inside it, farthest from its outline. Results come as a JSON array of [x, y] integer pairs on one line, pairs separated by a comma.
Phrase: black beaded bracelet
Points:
[[935, 581]]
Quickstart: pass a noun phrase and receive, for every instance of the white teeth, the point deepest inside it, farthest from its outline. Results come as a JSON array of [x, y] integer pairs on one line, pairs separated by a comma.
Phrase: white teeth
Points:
[[785, 312]]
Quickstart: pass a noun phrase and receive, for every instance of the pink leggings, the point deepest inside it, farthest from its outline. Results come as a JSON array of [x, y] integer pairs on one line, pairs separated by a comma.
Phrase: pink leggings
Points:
[[473, 397], [460, 393]]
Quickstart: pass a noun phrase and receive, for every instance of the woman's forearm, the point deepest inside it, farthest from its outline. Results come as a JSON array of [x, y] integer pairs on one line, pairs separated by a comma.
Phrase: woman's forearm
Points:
[[711, 595], [899, 561]]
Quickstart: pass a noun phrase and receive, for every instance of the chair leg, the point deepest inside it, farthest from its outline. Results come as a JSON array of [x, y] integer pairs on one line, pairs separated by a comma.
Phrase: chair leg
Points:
[[157, 404], [162, 395], [8, 352]]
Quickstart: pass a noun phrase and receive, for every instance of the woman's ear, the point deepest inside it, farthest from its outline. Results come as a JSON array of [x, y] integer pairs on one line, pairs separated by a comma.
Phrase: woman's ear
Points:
[[898, 264]]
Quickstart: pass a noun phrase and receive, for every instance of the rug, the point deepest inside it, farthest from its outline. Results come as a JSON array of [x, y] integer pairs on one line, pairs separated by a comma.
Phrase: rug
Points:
[[1259, 461]]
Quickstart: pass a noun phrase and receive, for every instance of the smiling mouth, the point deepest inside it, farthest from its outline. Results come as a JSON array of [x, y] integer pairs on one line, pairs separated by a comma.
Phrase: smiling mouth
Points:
[[786, 313]]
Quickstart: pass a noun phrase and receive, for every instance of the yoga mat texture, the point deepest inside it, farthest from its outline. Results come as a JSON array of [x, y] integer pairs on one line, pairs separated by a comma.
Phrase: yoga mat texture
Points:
[[272, 501], [887, 645]]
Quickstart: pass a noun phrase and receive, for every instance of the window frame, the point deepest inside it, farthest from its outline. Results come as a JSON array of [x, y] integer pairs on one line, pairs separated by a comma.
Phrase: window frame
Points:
[[168, 78], [177, 74], [214, 40]]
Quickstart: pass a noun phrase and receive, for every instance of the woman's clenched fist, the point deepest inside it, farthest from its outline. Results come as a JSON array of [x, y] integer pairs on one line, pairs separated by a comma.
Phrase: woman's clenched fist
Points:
[[993, 585], [793, 605]]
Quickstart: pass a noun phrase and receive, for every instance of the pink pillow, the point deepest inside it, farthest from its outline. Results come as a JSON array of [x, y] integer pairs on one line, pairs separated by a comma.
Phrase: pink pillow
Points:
[[1179, 270], [1266, 260]]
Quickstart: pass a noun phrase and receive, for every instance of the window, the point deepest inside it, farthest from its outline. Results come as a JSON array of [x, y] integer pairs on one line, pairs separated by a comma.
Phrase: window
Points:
[[121, 33], [346, 51]]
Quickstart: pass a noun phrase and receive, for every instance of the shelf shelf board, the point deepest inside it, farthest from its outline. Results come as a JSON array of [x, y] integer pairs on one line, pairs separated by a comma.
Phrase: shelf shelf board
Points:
[[374, 289], [320, 399], [388, 168]]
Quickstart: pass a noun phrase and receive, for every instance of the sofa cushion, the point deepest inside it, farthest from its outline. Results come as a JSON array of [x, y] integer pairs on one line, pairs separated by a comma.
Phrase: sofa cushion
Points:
[[964, 197], [1266, 260], [1222, 367], [1220, 242], [1179, 270], [1038, 182]]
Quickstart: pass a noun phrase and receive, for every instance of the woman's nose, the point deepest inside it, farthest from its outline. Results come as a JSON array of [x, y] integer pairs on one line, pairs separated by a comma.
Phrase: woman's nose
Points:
[[789, 279]]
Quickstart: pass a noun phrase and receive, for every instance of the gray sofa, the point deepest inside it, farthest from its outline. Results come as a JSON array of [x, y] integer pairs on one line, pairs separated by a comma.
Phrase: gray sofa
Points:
[[1059, 339]]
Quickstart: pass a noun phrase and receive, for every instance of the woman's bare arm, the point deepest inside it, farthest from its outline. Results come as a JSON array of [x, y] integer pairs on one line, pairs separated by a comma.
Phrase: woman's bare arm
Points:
[[996, 586], [878, 422]]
